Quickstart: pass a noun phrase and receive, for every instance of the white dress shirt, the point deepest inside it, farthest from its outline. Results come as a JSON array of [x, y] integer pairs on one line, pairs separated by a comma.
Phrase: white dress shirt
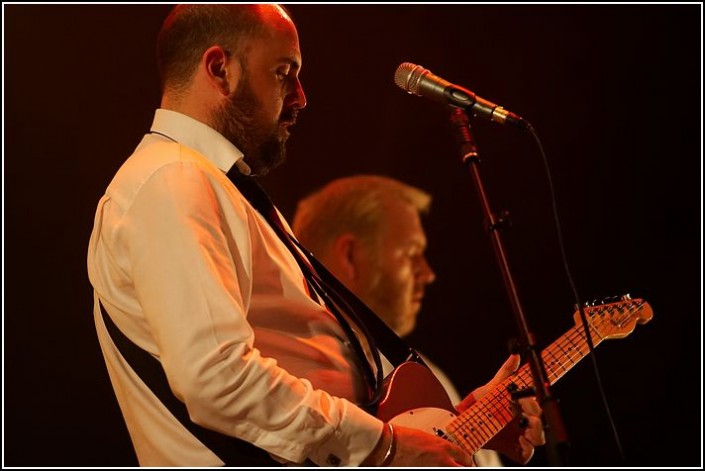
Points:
[[192, 273]]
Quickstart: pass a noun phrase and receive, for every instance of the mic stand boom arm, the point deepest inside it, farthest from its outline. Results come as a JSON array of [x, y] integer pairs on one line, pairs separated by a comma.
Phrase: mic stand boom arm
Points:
[[553, 427]]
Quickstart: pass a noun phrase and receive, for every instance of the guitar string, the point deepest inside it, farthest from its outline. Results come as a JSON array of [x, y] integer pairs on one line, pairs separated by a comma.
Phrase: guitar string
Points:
[[522, 373], [498, 400]]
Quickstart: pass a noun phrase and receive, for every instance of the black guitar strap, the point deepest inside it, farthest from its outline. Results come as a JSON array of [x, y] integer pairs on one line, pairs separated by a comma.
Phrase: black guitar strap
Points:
[[232, 451], [341, 302]]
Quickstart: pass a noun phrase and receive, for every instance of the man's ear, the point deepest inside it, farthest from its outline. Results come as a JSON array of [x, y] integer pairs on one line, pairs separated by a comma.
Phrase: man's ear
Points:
[[344, 251], [222, 69]]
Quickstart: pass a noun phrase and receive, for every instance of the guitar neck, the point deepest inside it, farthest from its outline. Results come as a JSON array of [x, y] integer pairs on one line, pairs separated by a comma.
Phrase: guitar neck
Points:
[[484, 419]]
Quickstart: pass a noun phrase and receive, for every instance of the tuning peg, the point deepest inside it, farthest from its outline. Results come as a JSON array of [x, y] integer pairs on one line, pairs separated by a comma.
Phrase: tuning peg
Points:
[[626, 297]]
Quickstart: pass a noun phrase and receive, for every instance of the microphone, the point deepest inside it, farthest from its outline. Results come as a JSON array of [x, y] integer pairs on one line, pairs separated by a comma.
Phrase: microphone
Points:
[[416, 80]]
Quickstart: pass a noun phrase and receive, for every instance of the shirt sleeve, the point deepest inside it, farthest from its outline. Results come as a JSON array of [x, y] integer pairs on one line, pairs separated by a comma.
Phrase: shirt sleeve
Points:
[[189, 247]]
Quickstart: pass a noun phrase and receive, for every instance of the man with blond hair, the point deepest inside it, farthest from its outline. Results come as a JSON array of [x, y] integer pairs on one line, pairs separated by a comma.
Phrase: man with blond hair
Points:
[[367, 230]]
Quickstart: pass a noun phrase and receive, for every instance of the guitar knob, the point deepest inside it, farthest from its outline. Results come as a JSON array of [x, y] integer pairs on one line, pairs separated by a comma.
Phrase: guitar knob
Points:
[[626, 297]]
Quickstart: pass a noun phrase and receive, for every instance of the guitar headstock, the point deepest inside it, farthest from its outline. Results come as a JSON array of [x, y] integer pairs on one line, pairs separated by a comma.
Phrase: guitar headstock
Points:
[[616, 319]]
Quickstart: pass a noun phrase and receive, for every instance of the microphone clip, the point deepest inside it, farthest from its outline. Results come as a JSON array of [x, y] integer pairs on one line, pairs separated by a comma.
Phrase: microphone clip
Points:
[[464, 136]]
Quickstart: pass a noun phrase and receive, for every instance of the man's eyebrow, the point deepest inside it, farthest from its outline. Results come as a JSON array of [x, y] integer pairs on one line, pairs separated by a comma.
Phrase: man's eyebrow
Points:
[[293, 62]]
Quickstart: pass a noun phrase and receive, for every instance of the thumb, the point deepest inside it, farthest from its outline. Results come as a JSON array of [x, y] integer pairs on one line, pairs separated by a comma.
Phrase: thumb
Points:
[[509, 367]]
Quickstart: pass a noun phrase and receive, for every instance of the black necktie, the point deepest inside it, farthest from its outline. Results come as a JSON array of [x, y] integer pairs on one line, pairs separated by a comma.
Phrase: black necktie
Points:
[[339, 300]]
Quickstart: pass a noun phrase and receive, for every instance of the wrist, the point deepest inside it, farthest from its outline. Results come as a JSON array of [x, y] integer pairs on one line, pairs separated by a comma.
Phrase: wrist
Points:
[[383, 452]]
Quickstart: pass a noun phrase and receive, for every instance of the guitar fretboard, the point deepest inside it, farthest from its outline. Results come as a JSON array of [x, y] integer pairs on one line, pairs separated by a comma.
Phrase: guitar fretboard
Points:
[[484, 419]]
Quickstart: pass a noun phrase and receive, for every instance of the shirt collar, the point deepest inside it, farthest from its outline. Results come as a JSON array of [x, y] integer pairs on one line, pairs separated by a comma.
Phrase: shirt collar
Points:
[[199, 137]]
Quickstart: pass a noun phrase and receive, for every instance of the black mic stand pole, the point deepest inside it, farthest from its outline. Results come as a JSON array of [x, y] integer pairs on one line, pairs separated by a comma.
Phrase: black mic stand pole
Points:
[[556, 439]]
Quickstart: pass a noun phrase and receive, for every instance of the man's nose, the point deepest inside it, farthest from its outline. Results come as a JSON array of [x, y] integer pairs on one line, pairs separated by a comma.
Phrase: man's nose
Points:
[[426, 273], [297, 97]]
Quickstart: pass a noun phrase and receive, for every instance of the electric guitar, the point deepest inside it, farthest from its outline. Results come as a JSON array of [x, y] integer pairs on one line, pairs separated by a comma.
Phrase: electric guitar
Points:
[[430, 408]]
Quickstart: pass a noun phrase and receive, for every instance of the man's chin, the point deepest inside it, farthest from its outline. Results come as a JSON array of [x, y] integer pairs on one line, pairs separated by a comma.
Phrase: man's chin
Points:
[[406, 328], [269, 158]]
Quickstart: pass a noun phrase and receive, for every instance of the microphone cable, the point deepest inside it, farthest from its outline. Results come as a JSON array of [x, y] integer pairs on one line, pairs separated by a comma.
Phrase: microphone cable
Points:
[[578, 302]]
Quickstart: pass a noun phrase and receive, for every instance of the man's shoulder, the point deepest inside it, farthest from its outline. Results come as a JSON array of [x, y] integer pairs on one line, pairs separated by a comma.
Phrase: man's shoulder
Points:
[[156, 157], [153, 154]]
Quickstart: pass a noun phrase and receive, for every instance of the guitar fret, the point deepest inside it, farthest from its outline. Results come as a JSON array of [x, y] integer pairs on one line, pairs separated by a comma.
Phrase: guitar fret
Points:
[[566, 354], [552, 364], [491, 413], [566, 351], [500, 400], [505, 407], [567, 360], [494, 411], [476, 427], [483, 424], [471, 440], [576, 347], [486, 417], [592, 330], [575, 338], [525, 376]]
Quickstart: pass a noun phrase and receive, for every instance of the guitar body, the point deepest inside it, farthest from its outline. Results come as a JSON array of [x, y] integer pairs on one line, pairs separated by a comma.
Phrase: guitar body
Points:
[[415, 398]]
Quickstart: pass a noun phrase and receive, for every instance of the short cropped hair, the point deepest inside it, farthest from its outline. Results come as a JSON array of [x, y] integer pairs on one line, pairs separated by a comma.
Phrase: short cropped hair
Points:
[[351, 205], [190, 30]]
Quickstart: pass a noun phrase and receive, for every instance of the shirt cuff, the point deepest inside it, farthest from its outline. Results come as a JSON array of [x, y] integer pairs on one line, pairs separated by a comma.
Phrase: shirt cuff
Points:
[[352, 441]]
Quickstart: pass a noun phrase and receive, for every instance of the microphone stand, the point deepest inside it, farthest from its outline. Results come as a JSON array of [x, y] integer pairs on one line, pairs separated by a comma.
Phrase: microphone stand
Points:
[[556, 438]]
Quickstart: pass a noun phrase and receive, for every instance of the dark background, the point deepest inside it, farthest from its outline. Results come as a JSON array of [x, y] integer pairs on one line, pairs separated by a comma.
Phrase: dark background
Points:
[[613, 91]]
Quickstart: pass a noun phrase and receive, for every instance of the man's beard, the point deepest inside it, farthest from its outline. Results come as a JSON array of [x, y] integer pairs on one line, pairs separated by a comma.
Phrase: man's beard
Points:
[[239, 122], [389, 300]]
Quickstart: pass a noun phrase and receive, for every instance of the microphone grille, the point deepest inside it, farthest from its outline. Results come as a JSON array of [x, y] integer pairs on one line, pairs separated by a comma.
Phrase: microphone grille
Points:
[[408, 75]]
